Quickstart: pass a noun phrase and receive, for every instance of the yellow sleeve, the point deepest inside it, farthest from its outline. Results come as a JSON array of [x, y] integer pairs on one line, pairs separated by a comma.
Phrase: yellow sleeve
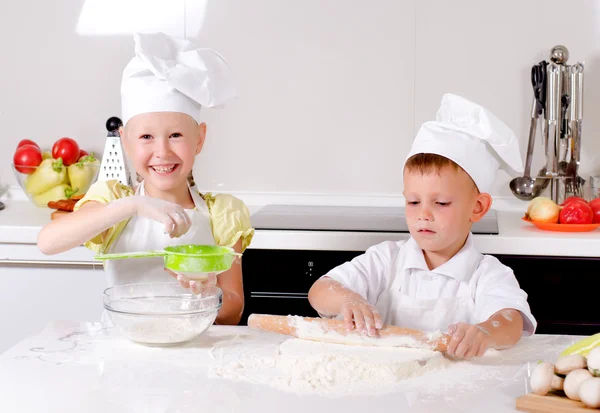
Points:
[[230, 220], [105, 192]]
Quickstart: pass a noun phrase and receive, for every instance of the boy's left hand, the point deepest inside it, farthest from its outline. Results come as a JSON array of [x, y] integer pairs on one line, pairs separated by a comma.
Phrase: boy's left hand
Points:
[[195, 286], [468, 341]]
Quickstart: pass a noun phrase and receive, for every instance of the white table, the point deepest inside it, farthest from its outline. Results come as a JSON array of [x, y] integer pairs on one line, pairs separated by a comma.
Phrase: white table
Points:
[[80, 367]]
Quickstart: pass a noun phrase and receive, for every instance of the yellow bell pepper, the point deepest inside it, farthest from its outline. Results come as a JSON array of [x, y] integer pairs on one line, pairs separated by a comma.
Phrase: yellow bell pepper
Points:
[[82, 173], [62, 191], [48, 174]]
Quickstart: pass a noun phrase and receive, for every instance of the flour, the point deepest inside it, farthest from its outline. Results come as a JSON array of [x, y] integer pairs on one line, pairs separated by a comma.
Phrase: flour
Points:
[[163, 330], [309, 367]]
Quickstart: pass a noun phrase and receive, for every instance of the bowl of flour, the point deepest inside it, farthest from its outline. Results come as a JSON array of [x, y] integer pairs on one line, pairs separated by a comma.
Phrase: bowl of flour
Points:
[[161, 314]]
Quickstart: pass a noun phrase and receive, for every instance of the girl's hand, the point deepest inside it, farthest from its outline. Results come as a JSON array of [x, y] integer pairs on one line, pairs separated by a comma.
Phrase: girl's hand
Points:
[[194, 285], [171, 215], [357, 312]]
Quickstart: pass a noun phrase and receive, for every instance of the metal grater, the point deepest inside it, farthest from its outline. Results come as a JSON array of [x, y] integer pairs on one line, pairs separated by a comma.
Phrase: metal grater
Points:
[[114, 164]]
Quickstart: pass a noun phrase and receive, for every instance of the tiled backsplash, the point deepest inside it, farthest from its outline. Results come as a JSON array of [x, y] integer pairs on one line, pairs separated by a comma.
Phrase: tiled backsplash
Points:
[[331, 93]]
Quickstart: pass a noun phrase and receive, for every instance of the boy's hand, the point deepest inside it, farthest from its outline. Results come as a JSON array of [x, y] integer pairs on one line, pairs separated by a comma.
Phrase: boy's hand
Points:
[[358, 312], [468, 341]]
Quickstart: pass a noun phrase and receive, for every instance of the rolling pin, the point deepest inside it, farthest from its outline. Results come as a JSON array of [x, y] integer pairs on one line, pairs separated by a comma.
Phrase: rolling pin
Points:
[[287, 325]]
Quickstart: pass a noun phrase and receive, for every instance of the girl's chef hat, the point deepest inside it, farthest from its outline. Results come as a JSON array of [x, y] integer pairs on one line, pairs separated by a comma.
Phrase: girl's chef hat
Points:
[[172, 75], [471, 136]]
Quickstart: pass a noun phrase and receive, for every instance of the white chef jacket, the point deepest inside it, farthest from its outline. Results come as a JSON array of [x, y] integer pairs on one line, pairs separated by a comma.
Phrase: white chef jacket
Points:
[[470, 287]]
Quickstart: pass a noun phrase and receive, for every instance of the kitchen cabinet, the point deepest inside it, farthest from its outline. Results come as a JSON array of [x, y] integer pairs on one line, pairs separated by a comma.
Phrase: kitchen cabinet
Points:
[[561, 291], [35, 293]]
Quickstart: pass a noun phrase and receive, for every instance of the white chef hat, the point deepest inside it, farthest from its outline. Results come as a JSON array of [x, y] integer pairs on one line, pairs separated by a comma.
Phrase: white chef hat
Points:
[[471, 136], [172, 75]]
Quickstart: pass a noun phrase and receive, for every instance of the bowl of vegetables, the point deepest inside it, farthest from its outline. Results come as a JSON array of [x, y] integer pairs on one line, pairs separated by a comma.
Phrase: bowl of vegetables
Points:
[[51, 176]]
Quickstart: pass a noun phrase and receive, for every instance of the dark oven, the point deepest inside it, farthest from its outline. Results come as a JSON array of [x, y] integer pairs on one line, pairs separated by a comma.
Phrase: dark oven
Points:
[[562, 291], [277, 281]]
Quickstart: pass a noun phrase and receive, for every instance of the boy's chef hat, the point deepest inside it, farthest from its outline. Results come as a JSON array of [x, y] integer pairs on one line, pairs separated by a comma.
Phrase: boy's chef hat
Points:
[[471, 136], [173, 75]]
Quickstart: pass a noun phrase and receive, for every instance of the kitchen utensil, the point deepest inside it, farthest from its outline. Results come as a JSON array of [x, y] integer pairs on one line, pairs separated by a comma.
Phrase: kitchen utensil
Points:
[[538, 80], [561, 126], [161, 314], [288, 326], [522, 187], [551, 403], [552, 226], [193, 261], [114, 165]]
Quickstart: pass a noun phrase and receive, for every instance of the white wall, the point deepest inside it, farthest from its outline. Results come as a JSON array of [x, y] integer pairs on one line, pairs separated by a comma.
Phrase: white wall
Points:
[[331, 92]]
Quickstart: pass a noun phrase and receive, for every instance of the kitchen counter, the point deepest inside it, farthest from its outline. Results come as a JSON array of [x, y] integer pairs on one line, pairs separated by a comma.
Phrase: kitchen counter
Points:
[[21, 222], [75, 367]]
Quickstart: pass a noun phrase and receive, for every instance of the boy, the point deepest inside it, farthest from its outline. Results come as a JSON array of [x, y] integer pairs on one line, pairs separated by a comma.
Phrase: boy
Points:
[[436, 279]]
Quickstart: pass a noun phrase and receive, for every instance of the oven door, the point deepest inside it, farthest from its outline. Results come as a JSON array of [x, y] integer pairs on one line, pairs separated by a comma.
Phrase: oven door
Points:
[[277, 281]]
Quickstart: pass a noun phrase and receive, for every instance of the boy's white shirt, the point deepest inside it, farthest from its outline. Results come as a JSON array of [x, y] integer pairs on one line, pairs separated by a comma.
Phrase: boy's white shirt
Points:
[[470, 287]]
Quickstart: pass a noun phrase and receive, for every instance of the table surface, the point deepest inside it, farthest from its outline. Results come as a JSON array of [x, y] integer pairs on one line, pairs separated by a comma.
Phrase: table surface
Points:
[[75, 367]]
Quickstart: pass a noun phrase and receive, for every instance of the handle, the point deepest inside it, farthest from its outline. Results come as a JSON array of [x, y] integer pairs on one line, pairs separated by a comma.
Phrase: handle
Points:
[[530, 143], [124, 255], [287, 325]]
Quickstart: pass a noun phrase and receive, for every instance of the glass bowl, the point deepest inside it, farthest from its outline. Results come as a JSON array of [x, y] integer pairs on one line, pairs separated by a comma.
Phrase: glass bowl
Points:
[[162, 314], [43, 184]]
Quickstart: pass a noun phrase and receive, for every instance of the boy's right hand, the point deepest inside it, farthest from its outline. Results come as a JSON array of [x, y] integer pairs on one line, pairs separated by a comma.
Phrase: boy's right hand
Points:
[[357, 312], [171, 215]]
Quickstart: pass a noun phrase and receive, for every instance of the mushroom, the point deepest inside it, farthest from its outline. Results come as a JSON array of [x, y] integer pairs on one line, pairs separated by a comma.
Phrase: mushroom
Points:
[[593, 361], [557, 382], [566, 364], [573, 382], [589, 392], [543, 379]]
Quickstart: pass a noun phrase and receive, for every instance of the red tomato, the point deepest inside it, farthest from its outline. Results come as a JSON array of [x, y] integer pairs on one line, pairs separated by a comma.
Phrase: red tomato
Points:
[[26, 157], [67, 149], [82, 153], [576, 212], [595, 205], [28, 142], [572, 198]]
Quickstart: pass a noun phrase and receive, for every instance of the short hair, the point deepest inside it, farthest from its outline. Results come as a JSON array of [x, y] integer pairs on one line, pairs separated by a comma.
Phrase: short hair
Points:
[[429, 162], [425, 163]]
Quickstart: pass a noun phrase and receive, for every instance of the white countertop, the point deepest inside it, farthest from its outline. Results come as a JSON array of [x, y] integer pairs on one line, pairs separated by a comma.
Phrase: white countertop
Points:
[[75, 367], [21, 222]]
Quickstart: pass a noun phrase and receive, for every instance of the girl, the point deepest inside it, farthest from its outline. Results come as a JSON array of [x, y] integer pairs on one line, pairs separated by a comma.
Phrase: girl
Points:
[[162, 91]]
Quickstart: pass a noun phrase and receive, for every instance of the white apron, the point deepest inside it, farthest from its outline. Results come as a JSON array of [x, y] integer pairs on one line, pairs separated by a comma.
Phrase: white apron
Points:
[[143, 234], [423, 314]]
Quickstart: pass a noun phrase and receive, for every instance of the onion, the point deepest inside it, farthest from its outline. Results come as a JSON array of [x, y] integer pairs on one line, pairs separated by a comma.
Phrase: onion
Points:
[[543, 209]]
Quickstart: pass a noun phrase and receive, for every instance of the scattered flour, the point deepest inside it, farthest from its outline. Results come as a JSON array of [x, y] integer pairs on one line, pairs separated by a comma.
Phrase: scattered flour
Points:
[[303, 366]]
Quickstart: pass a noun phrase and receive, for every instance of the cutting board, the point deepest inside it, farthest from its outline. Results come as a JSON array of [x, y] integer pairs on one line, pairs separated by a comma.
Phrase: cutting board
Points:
[[534, 403]]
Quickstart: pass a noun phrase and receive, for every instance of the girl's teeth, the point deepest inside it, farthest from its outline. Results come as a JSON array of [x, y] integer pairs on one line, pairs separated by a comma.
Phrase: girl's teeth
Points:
[[163, 169]]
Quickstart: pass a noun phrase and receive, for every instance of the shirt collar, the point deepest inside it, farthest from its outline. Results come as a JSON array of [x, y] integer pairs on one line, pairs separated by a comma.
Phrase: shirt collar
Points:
[[460, 267]]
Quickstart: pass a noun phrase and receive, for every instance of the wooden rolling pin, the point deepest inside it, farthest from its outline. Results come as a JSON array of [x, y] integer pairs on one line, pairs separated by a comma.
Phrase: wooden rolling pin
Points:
[[286, 325]]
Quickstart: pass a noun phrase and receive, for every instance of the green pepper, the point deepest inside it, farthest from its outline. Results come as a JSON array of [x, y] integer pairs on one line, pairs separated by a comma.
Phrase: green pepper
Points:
[[62, 191], [48, 174], [83, 173]]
